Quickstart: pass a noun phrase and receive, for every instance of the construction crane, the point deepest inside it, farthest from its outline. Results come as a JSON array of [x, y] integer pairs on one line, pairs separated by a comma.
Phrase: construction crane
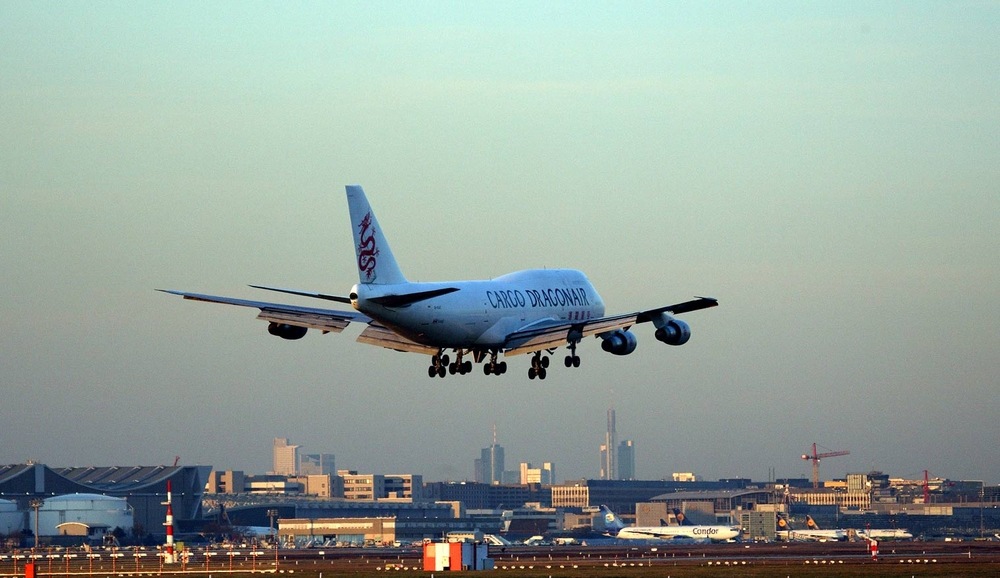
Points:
[[816, 457]]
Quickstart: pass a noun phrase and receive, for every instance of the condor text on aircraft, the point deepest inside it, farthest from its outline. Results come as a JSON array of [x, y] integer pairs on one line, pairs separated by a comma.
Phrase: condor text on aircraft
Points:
[[616, 528], [533, 311]]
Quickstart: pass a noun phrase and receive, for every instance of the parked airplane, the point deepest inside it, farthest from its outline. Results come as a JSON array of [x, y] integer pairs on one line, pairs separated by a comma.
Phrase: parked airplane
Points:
[[615, 527], [884, 534], [532, 311], [812, 534]]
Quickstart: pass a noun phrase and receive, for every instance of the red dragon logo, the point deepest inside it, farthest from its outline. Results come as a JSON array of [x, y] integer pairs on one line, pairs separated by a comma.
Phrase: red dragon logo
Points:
[[367, 251]]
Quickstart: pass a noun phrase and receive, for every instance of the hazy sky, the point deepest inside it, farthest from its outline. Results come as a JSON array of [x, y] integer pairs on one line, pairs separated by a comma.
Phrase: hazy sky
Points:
[[828, 171]]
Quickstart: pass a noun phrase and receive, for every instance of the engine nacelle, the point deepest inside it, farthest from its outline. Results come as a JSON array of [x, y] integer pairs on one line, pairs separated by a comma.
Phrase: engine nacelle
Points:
[[619, 342], [286, 331], [674, 332]]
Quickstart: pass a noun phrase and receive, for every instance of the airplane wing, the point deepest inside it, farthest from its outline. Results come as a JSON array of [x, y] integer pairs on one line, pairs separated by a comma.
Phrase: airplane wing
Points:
[[556, 334], [378, 334], [325, 320]]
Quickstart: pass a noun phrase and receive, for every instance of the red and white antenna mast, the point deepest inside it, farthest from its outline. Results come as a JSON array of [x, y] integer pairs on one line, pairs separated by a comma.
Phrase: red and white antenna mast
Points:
[[168, 556]]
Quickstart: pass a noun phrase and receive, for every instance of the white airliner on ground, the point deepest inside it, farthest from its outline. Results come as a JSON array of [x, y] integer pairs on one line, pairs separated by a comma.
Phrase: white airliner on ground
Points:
[[532, 311], [812, 534], [884, 534], [615, 527]]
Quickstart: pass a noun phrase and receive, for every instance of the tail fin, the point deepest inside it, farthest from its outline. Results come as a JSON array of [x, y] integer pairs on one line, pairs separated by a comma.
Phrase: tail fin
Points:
[[783, 525], [681, 518], [810, 523], [611, 522], [376, 264]]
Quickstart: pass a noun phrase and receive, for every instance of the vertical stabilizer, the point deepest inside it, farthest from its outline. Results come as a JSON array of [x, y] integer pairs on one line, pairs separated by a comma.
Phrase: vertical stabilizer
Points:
[[612, 525], [376, 264], [810, 523]]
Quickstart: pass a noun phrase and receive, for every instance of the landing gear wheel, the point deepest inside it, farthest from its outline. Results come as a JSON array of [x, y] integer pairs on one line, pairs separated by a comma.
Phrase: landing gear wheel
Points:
[[466, 367], [441, 371], [541, 373], [432, 371], [545, 362], [576, 361], [532, 373], [569, 361], [488, 369], [502, 367]]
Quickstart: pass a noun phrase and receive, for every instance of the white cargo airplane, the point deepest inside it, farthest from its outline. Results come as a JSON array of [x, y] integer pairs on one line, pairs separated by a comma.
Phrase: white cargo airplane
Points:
[[884, 534], [532, 311], [616, 528]]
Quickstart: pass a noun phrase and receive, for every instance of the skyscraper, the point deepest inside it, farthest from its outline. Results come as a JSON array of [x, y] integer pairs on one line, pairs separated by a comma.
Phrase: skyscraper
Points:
[[285, 457], [608, 465], [489, 467], [626, 460], [545, 475], [317, 464]]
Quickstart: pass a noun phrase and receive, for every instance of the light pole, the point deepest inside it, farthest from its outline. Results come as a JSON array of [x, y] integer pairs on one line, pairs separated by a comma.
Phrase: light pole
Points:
[[36, 503], [272, 514]]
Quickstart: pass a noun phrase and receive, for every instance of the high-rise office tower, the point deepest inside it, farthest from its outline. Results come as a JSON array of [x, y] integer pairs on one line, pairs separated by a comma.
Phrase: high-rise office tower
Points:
[[489, 466], [609, 468], [626, 460], [317, 465], [285, 457], [545, 475]]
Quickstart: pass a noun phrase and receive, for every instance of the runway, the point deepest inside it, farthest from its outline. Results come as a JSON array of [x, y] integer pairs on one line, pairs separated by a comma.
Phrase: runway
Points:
[[735, 559]]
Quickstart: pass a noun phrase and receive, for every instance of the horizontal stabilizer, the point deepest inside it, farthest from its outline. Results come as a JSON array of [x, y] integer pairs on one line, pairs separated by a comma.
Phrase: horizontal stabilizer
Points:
[[336, 298], [407, 299]]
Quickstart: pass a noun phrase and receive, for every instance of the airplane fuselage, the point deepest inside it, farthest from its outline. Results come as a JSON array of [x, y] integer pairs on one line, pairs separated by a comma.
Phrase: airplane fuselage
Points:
[[814, 535], [714, 533], [885, 534], [481, 314]]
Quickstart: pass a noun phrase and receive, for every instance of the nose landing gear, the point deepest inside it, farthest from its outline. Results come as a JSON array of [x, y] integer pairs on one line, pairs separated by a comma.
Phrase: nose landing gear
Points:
[[572, 360]]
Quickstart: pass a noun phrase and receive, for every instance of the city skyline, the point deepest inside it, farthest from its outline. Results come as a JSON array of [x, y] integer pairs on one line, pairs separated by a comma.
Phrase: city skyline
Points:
[[826, 171]]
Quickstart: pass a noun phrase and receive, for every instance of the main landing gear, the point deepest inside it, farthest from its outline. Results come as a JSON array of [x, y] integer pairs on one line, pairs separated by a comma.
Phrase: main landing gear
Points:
[[493, 367], [460, 367], [442, 365], [538, 364], [438, 363]]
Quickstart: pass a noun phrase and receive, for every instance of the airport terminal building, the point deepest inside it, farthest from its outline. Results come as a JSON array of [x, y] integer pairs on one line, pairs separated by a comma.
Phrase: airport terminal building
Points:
[[88, 501]]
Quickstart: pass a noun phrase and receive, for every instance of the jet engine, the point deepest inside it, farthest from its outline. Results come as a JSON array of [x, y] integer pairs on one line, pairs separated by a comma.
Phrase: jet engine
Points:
[[619, 342], [286, 331], [674, 332]]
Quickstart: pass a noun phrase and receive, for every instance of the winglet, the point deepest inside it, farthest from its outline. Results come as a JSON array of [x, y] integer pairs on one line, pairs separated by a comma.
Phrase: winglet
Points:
[[376, 264]]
